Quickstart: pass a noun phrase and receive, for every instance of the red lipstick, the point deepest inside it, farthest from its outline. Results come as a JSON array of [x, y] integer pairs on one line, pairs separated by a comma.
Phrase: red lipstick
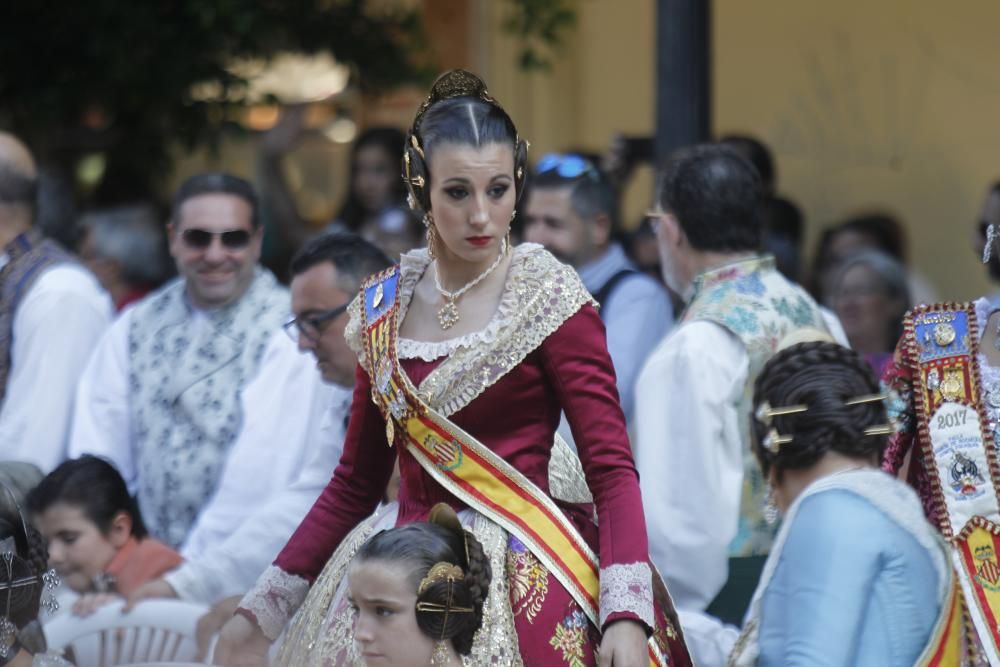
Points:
[[479, 241]]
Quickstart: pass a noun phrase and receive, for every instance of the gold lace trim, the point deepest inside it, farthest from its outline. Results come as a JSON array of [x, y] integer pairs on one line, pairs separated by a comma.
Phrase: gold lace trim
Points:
[[540, 295]]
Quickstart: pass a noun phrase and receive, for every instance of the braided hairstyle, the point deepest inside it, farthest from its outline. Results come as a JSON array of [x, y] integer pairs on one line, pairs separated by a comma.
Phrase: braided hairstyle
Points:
[[459, 111], [420, 546], [821, 376]]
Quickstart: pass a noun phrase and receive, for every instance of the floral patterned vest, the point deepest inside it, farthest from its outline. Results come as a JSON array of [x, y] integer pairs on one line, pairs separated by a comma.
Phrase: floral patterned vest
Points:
[[759, 306], [185, 380], [22, 262]]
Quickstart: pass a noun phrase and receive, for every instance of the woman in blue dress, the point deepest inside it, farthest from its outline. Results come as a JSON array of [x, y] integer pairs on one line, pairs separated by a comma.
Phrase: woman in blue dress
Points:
[[856, 576]]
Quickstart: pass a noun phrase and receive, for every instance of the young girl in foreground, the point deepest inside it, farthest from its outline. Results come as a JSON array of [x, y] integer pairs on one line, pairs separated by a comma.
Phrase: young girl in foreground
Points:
[[417, 593]]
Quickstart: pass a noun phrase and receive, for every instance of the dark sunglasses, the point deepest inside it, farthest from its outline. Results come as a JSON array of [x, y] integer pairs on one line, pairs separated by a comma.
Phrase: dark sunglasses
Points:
[[201, 238], [567, 166], [311, 325]]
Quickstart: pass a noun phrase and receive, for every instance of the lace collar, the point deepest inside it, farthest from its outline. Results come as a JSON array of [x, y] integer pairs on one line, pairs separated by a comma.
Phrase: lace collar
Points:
[[412, 266], [540, 293]]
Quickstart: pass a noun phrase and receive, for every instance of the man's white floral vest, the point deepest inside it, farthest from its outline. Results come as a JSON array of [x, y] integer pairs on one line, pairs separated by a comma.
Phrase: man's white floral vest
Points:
[[185, 382]]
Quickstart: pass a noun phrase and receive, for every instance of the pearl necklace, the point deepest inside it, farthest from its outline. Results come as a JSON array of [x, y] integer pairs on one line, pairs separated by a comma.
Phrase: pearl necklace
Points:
[[448, 315]]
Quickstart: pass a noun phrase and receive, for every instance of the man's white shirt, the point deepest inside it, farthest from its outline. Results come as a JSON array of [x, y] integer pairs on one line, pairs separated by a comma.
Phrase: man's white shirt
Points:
[[285, 455], [689, 455], [55, 329]]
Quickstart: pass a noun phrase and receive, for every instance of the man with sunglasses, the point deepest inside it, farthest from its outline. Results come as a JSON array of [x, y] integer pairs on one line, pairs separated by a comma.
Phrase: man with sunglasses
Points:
[[52, 313], [160, 396], [252, 516], [572, 211]]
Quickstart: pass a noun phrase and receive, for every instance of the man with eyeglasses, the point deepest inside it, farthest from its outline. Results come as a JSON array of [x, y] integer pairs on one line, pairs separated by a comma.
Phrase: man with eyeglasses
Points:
[[702, 490], [52, 313], [251, 516], [572, 211], [160, 396]]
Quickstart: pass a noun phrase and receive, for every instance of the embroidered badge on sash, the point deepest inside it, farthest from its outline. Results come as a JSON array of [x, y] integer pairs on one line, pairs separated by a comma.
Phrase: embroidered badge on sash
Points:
[[979, 544], [959, 454], [446, 455]]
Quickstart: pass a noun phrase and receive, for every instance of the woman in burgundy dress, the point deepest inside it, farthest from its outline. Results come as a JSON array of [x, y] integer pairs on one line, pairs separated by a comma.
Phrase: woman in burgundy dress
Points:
[[469, 352]]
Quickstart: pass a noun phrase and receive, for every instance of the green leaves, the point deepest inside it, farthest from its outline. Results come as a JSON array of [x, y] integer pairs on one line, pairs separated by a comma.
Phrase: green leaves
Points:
[[541, 26]]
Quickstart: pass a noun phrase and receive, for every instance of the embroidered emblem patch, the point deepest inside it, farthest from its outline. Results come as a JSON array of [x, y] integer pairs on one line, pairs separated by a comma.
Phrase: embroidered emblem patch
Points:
[[447, 455], [965, 477], [941, 334]]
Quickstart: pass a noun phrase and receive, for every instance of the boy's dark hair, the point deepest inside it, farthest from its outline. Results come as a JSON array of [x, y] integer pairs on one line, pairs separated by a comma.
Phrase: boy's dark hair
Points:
[[93, 485]]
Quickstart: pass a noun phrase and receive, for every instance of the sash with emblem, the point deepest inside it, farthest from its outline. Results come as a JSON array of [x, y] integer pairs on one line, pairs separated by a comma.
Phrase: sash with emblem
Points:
[[958, 453], [467, 468]]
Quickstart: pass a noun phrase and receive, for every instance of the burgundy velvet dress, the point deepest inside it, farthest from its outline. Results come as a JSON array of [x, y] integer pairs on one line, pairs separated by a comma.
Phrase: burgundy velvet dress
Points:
[[509, 393]]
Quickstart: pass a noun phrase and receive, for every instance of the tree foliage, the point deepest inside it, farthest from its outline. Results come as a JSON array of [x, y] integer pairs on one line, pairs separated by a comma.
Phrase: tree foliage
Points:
[[116, 76]]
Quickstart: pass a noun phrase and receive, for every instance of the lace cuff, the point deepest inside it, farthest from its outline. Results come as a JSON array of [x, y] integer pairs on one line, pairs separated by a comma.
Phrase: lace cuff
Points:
[[629, 589], [274, 599]]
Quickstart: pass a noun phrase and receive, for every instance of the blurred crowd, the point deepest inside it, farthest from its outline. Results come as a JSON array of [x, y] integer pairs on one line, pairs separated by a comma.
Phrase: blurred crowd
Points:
[[170, 409]]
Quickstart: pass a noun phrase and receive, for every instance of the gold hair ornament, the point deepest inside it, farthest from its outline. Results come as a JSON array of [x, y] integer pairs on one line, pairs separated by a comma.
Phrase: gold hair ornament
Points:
[[881, 429], [866, 398], [774, 440], [442, 571], [765, 413]]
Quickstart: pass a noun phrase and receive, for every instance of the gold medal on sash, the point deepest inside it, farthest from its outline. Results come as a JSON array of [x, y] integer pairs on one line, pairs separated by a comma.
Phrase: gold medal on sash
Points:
[[944, 334], [390, 431]]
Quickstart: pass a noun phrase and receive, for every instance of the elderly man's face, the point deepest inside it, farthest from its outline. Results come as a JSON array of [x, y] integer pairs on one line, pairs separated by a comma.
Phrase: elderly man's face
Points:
[[216, 247]]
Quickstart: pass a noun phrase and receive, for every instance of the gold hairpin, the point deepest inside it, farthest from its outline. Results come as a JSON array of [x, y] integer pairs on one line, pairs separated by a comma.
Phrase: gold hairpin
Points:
[[881, 429], [417, 180], [866, 398], [765, 413], [774, 440], [443, 609], [442, 571]]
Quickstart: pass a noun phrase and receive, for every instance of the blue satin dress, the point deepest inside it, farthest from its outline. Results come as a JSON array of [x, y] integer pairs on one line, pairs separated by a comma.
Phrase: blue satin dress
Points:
[[852, 588]]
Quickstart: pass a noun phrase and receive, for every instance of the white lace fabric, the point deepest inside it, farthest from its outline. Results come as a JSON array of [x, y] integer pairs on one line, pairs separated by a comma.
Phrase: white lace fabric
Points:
[[540, 294], [629, 589], [412, 266], [274, 599]]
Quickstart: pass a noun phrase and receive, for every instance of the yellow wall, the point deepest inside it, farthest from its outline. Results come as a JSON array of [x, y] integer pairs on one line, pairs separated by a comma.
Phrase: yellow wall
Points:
[[892, 104], [887, 104], [602, 82]]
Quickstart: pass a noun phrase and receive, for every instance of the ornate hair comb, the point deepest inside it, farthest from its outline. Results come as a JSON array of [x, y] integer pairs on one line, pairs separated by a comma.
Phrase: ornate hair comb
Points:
[[442, 571]]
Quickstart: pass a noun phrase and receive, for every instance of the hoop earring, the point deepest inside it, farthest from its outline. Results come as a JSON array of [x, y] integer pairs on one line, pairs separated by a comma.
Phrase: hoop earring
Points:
[[432, 235]]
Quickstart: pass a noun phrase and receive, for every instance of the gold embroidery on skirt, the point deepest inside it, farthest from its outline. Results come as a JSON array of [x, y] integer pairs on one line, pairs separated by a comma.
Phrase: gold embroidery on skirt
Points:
[[529, 582]]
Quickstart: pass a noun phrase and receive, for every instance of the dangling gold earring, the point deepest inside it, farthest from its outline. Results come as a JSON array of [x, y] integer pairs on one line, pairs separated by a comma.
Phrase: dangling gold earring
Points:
[[432, 235], [510, 244], [441, 655], [770, 507]]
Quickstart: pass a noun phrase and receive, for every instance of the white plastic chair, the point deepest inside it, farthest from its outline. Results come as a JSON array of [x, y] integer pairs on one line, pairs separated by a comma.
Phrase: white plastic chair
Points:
[[154, 631]]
